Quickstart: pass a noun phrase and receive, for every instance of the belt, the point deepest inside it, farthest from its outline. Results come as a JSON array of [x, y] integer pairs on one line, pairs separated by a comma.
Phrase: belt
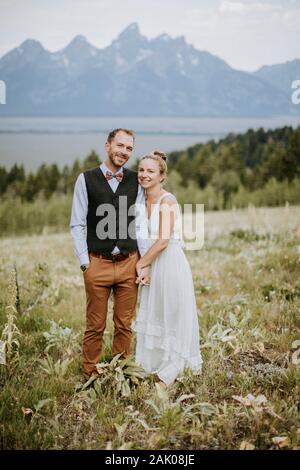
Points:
[[111, 257]]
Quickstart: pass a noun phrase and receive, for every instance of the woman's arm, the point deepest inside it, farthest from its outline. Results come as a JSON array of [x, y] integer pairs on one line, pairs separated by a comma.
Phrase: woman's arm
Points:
[[166, 226]]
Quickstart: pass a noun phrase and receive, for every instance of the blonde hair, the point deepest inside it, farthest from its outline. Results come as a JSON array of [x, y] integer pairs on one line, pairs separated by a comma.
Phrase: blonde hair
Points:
[[161, 158]]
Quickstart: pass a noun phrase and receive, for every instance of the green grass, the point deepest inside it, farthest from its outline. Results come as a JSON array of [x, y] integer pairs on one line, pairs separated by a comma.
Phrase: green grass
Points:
[[247, 284]]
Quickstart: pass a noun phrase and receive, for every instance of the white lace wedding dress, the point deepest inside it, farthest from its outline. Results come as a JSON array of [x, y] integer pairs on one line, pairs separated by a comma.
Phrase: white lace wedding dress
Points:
[[166, 325]]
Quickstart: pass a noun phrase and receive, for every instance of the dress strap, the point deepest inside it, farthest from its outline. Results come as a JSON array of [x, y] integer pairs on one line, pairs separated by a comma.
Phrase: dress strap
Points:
[[163, 195]]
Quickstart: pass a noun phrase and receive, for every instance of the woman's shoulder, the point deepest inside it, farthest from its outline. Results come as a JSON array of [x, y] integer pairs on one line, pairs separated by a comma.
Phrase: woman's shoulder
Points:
[[168, 198]]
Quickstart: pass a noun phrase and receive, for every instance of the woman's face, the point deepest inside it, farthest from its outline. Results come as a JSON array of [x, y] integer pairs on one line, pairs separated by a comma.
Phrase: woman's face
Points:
[[149, 173]]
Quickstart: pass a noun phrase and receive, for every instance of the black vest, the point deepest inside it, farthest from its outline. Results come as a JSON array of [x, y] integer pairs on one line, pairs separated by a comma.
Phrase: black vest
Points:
[[108, 222]]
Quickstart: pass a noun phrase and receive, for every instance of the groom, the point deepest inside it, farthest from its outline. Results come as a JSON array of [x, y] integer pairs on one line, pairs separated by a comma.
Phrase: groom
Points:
[[107, 257]]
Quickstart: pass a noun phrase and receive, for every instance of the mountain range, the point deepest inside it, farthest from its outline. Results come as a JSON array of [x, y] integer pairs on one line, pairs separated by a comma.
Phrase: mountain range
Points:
[[137, 76]]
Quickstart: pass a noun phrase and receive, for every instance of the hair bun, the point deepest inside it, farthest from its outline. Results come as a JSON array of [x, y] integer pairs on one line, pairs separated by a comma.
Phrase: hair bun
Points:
[[160, 154]]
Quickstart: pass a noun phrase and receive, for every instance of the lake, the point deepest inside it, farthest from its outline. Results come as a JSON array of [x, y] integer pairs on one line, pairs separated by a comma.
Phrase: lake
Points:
[[33, 141]]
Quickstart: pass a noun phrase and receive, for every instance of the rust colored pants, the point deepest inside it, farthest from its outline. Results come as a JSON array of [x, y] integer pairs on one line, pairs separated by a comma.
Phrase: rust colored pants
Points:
[[101, 276]]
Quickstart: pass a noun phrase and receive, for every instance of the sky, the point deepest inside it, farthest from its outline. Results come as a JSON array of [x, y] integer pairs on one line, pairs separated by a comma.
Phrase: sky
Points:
[[245, 33]]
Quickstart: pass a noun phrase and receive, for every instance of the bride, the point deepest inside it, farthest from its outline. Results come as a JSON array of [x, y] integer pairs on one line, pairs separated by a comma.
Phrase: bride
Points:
[[166, 325]]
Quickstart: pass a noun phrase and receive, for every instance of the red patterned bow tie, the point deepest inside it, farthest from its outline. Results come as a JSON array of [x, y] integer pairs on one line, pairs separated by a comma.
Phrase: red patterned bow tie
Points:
[[109, 175]]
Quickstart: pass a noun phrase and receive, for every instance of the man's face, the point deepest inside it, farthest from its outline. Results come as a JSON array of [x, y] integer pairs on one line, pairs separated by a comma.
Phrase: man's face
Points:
[[119, 149]]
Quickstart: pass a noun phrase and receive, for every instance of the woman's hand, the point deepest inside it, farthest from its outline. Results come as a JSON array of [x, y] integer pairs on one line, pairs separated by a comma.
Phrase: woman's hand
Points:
[[143, 275]]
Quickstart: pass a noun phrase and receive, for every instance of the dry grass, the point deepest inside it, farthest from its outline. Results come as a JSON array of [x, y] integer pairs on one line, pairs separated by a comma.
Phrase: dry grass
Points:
[[247, 283]]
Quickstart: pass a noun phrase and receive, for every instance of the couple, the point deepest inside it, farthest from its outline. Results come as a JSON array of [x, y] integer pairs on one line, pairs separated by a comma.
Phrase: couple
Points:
[[150, 254]]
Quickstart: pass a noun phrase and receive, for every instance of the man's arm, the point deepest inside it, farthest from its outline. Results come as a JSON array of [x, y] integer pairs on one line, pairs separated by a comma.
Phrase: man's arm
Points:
[[78, 220]]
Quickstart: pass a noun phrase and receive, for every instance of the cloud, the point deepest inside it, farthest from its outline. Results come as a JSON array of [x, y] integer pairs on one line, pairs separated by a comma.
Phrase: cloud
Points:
[[291, 19], [240, 8]]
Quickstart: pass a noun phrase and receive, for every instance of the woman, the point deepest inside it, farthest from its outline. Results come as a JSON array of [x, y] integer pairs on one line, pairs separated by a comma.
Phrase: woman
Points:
[[166, 326]]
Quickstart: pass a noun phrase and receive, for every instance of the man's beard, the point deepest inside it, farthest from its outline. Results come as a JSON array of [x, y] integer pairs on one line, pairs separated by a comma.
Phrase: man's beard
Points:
[[113, 156]]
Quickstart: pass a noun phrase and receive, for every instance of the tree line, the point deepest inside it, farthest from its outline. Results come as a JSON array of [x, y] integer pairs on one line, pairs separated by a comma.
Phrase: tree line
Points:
[[243, 163], [235, 171], [45, 182]]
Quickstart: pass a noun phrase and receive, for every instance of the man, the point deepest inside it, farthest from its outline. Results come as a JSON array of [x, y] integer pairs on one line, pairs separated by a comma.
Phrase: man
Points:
[[107, 256]]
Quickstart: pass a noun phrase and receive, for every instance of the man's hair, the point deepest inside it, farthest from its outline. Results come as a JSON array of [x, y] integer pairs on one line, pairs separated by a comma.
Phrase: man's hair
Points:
[[112, 134]]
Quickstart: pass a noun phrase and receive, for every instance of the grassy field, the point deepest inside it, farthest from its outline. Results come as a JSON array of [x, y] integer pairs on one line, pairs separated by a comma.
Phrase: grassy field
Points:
[[247, 283]]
